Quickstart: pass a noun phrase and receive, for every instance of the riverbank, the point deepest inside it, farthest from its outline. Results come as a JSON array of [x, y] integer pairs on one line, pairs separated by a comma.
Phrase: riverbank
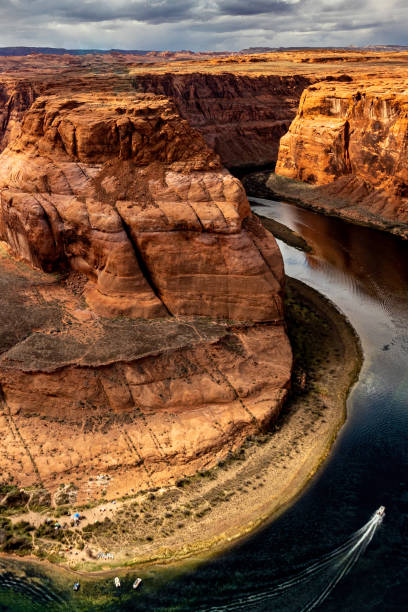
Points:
[[206, 513], [282, 232], [325, 199]]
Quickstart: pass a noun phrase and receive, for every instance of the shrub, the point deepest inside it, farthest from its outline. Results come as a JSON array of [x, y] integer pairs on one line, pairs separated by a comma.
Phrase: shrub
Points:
[[24, 527], [19, 545]]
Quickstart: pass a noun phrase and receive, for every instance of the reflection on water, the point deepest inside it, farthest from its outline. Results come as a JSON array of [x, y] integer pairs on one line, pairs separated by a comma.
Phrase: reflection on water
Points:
[[372, 262], [364, 271], [366, 274]]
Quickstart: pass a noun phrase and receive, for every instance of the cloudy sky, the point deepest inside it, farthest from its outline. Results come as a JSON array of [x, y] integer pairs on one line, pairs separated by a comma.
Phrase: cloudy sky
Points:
[[201, 24]]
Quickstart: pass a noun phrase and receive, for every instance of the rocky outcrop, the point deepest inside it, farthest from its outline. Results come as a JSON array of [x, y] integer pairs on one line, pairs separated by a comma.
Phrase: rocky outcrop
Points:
[[143, 402], [241, 117], [179, 351], [350, 141], [15, 98], [123, 190]]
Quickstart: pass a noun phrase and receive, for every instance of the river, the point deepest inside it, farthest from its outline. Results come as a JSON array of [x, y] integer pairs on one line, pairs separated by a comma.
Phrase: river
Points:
[[365, 273]]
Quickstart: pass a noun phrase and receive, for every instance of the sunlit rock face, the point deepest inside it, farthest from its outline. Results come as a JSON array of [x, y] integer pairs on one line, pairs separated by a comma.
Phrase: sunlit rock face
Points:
[[125, 191], [144, 336], [353, 138]]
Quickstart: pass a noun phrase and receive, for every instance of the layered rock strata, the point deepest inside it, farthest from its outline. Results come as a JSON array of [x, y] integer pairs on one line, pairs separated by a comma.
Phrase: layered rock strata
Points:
[[15, 98], [350, 141], [116, 405], [125, 192], [241, 117], [178, 351]]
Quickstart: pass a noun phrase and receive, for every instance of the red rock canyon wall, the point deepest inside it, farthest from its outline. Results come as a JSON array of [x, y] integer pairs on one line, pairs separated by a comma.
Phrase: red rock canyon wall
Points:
[[241, 117], [353, 139], [115, 190]]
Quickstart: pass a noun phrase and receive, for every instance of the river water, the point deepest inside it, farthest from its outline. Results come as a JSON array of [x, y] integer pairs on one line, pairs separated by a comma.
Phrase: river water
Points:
[[365, 273]]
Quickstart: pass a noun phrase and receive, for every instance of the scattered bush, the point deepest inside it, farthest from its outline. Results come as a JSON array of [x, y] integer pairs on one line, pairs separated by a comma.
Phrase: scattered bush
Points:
[[19, 545], [23, 527]]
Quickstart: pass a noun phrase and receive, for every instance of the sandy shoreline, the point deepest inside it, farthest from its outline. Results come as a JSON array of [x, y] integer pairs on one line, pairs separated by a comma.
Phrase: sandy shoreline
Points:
[[207, 513]]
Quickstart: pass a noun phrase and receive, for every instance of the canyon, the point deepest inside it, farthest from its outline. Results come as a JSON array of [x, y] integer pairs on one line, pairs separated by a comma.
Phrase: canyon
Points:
[[240, 117], [142, 302], [350, 141], [332, 126]]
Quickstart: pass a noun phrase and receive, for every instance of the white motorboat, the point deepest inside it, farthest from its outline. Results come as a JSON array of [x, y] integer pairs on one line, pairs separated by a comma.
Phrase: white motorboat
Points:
[[381, 511]]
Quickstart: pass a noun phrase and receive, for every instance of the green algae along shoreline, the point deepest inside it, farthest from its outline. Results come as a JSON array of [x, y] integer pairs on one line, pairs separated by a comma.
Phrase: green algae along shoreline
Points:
[[208, 513]]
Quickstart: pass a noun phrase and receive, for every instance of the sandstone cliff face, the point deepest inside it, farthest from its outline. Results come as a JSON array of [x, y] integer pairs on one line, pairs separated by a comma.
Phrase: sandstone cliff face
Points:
[[352, 138], [124, 191], [148, 379], [15, 98], [241, 117], [142, 402]]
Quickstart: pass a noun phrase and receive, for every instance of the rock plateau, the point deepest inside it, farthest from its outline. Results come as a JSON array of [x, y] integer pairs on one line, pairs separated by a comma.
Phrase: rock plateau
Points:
[[142, 303], [350, 140]]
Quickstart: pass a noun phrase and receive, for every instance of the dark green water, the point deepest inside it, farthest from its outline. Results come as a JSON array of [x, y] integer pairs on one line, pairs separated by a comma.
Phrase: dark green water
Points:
[[366, 274]]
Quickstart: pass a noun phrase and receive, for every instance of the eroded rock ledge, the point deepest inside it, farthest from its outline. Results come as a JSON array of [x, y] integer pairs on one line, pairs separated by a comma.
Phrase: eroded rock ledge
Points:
[[143, 334], [122, 190], [348, 147]]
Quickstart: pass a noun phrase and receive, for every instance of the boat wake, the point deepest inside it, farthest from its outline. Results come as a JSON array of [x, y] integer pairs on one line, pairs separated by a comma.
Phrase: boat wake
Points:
[[318, 578], [37, 593]]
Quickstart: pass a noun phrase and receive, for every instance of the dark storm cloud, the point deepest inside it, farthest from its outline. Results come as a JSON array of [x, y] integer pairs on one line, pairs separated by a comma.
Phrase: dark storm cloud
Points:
[[149, 11], [344, 6], [202, 24], [255, 7]]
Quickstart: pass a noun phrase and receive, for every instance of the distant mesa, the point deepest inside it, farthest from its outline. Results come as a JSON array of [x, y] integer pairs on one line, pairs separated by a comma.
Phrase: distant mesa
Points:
[[21, 51]]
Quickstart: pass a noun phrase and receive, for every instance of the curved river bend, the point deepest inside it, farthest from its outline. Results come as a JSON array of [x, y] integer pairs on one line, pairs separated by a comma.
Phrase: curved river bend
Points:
[[365, 273]]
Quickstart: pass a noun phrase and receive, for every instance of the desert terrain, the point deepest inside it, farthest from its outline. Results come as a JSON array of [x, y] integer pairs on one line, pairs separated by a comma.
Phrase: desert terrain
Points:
[[143, 334]]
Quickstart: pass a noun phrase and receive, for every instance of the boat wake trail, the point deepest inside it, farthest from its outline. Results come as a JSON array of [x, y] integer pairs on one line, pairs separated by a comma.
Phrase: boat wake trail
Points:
[[37, 593], [317, 579]]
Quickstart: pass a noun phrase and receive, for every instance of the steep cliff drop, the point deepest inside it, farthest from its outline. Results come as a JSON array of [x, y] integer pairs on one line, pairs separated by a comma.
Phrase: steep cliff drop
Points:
[[345, 154], [142, 303], [339, 142], [241, 117]]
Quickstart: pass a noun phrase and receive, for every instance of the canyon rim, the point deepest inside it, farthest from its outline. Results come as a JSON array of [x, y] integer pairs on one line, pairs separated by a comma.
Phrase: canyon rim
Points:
[[142, 318]]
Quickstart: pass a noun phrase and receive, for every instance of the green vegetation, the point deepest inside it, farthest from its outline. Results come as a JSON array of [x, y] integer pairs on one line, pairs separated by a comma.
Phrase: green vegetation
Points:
[[308, 334], [13, 499], [61, 511], [15, 539]]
